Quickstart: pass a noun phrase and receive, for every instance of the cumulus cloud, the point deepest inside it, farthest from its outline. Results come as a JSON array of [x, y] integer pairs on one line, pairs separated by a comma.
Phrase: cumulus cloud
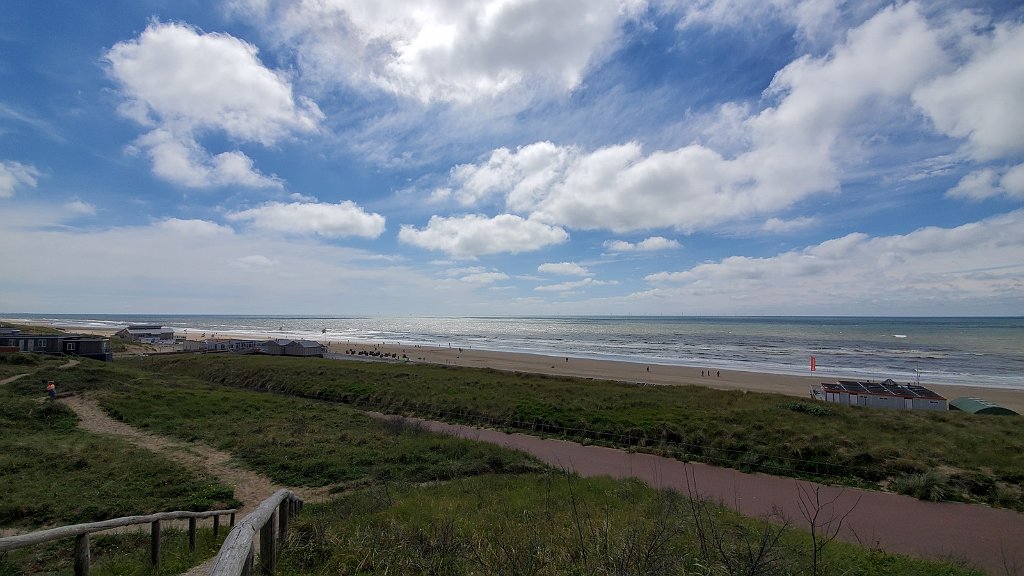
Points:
[[180, 159], [652, 244], [989, 183], [484, 277], [79, 207], [477, 235], [14, 175], [624, 188], [978, 261], [563, 268], [980, 100], [437, 50], [813, 19], [780, 226], [256, 262], [328, 220], [194, 228], [574, 285], [182, 83]]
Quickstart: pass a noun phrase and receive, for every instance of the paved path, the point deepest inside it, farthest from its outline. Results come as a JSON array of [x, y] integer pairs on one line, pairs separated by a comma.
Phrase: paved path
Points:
[[991, 539]]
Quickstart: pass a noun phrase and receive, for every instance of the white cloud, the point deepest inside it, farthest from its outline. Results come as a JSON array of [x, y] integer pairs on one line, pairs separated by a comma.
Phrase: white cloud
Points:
[[484, 277], [780, 226], [981, 99], [194, 228], [812, 18], [180, 159], [652, 244], [563, 268], [988, 183], [477, 235], [938, 268], [256, 262], [79, 207], [1013, 181], [329, 220], [624, 188], [182, 84], [14, 175], [573, 286], [439, 50]]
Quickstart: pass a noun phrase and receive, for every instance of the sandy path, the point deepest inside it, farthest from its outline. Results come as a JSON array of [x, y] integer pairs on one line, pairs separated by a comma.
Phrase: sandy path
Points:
[[13, 378], [250, 487], [989, 538]]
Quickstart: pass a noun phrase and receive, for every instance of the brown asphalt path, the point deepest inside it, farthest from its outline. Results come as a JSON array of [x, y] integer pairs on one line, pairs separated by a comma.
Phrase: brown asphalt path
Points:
[[989, 538]]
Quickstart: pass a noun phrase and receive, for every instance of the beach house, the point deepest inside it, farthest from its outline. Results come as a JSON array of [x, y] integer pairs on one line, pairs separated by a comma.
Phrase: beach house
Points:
[[146, 332], [286, 347], [95, 347], [885, 394]]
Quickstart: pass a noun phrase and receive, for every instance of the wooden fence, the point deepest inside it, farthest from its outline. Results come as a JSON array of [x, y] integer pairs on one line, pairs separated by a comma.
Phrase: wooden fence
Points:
[[270, 519], [81, 533]]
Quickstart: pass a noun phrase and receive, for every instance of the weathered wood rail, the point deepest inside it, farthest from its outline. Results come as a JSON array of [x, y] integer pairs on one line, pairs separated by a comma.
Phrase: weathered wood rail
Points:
[[270, 519], [81, 533]]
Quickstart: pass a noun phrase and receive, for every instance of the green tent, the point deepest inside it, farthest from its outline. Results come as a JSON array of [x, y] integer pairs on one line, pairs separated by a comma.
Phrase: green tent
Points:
[[979, 406]]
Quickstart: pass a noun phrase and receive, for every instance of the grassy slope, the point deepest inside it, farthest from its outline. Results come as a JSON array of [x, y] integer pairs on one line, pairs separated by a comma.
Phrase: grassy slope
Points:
[[978, 458], [542, 523], [54, 473], [557, 524]]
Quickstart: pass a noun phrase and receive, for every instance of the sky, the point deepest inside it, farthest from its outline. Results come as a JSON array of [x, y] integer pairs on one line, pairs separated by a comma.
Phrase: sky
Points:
[[512, 157]]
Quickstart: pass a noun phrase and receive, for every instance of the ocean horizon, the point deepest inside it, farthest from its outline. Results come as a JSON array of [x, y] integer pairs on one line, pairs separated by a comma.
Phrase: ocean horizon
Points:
[[969, 351]]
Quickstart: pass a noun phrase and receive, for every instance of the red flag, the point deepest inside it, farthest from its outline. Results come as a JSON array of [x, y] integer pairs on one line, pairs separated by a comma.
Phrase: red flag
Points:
[[814, 364]]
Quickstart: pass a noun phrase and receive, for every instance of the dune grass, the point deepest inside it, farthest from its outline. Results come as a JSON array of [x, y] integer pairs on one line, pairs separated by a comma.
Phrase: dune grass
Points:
[[980, 458], [53, 473], [555, 523]]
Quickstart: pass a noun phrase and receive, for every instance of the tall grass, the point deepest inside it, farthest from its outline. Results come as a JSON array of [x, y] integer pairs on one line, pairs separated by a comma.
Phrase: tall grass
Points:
[[559, 524]]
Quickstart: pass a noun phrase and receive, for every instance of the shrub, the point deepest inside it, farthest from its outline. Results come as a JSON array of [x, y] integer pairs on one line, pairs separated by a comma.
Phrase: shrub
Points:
[[930, 485]]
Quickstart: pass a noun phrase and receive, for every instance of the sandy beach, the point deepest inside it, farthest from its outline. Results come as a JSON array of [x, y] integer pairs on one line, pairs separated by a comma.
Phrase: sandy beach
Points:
[[649, 374]]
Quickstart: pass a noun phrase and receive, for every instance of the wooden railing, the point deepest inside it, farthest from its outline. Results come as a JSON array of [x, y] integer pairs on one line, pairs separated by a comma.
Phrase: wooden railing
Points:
[[237, 554], [81, 533]]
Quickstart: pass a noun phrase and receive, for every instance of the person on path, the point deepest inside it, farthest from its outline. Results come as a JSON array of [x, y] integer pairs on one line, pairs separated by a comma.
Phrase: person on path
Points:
[[51, 390]]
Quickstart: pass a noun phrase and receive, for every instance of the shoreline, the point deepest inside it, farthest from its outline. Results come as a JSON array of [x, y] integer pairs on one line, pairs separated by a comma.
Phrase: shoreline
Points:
[[641, 373]]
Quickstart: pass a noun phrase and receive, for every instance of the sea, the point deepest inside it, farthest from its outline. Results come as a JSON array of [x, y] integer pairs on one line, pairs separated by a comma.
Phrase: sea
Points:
[[955, 351]]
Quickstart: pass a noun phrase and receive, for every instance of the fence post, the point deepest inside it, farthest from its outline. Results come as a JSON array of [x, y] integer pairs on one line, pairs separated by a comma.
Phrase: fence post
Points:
[[154, 543], [216, 525], [82, 555], [283, 512], [191, 534], [232, 519], [268, 545]]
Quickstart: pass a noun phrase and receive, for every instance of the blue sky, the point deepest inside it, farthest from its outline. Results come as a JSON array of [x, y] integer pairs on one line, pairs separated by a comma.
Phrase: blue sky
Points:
[[704, 157]]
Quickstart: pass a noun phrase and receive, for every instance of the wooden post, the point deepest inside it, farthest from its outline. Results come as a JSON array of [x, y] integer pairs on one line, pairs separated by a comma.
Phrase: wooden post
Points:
[[154, 543], [216, 525], [268, 545], [192, 534], [232, 519], [283, 512], [82, 555], [247, 568]]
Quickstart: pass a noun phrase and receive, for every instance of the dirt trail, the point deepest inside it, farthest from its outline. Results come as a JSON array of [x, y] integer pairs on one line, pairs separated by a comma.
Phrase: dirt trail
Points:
[[250, 487]]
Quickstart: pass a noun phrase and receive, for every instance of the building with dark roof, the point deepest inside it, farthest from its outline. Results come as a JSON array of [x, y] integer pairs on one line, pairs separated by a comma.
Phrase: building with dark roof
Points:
[[95, 347], [286, 347], [886, 394]]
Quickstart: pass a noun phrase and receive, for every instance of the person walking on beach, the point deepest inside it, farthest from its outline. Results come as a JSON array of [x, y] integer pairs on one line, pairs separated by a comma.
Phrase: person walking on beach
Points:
[[51, 390]]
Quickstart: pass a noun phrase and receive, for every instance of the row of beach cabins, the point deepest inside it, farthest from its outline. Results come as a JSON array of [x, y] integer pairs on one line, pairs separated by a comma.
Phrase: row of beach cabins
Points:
[[154, 333]]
